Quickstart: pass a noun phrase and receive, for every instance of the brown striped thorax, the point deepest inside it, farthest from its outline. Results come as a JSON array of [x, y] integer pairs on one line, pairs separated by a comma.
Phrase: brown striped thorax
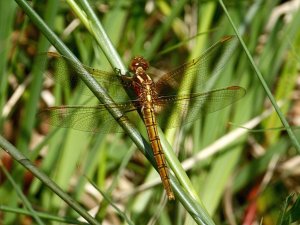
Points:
[[141, 81]]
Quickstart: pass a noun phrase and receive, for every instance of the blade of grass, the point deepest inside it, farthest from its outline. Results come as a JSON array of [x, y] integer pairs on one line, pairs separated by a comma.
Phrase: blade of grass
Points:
[[6, 20], [21, 196], [107, 198], [286, 82], [264, 84], [156, 40], [24, 161], [96, 29], [36, 83], [108, 192], [91, 164], [41, 215]]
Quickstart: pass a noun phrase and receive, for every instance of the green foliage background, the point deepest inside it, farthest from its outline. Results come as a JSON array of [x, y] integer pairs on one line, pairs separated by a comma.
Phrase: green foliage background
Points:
[[234, 175]]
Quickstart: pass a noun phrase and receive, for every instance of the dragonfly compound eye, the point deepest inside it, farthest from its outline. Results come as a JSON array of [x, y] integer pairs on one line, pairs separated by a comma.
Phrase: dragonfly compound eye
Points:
[[138, 62]]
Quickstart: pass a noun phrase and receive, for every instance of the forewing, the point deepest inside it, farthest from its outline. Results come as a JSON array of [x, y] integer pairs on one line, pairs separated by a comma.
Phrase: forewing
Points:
[[95, 119], [197, 72], [67, 75], [190, 107]]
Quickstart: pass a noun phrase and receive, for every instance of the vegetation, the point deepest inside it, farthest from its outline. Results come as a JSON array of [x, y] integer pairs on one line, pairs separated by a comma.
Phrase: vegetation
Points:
[[239, 165]]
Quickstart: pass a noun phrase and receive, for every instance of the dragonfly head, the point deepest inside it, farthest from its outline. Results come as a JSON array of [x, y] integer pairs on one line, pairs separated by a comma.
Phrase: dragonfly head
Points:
[[137, 62]]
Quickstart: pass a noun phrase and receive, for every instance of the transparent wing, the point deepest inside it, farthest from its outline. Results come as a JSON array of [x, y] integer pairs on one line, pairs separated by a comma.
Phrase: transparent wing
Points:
[[197, 71], [67, 75], [192, 106], [95, 119]]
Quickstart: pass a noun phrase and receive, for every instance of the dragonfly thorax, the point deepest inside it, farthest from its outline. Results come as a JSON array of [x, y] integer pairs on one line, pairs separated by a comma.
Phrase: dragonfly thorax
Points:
[[143, 84]]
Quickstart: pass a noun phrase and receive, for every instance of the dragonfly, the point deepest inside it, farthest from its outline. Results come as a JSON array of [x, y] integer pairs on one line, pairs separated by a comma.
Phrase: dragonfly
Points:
[[153, 100]]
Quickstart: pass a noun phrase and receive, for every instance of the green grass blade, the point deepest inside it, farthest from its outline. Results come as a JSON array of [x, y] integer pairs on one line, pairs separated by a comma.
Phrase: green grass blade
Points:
[[41, 215], [24, 161], [22, 196], [107, 198], [164, 28], [36, 83], [98, 32], [6, 24]]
